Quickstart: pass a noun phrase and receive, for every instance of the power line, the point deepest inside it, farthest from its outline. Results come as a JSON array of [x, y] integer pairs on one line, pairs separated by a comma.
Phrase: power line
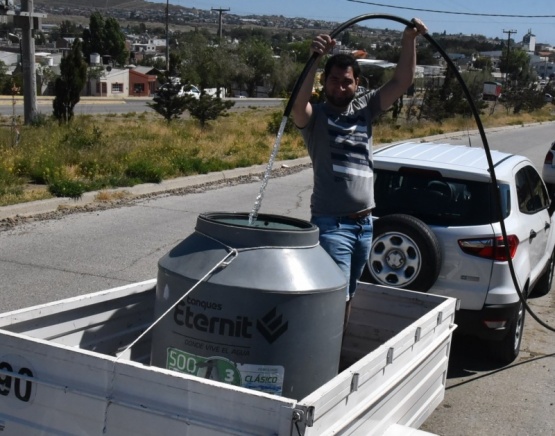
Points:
[[452, 13]]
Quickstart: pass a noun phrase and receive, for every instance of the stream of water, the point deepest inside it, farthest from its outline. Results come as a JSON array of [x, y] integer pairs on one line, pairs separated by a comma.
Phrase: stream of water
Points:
[[258, 202]]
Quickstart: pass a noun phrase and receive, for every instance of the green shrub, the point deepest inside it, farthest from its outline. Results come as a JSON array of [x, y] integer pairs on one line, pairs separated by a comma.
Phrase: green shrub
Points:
[[215, 164], [120, 181], [6, 176], [41, 170], [144, 171], [67, 188], [207, 108], [81, 138], [9, 182], [187, 165], [275, 123]]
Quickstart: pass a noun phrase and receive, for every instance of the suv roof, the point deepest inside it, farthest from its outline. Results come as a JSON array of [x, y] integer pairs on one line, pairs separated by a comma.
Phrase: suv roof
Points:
[[449, 160]]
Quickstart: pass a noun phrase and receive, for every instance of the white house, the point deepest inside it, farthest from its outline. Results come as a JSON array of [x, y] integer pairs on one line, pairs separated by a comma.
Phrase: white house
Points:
[[153, 46], [112, 83]]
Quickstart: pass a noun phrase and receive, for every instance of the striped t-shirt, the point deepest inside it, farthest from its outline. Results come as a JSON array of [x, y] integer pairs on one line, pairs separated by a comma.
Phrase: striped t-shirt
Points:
[[340, 146]]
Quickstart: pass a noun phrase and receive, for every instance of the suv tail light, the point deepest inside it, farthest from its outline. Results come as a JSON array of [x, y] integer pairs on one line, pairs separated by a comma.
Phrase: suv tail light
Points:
[[490, 248], [548, 158]]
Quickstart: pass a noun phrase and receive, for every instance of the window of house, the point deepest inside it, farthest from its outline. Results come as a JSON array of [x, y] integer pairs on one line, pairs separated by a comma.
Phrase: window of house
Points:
[[139, 88], [117, 87]]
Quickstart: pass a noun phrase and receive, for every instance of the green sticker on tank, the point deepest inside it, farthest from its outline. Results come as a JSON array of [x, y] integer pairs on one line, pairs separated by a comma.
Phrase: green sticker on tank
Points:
[[212, 368], [263, 378]]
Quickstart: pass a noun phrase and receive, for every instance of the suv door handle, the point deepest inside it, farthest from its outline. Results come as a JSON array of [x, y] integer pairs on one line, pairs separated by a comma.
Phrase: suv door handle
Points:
[[533, 234]]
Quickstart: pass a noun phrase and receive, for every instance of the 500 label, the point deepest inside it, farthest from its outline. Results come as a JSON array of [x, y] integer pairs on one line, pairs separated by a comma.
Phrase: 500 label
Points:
[[21, 388]]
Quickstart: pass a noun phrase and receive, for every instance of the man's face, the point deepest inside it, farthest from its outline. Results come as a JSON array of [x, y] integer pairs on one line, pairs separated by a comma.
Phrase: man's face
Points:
[[340, 86]]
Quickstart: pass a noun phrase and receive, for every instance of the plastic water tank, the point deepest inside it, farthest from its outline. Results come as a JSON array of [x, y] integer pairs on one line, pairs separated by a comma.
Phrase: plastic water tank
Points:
[[269, 319], [94, 59]]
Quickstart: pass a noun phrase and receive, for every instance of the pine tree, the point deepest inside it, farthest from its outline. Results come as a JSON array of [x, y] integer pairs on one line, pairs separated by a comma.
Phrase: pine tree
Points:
[[73, 76], [167, 103]]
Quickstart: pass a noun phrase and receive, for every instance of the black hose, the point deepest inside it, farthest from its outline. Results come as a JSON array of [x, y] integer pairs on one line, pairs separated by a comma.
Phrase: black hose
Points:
[[474, 110]]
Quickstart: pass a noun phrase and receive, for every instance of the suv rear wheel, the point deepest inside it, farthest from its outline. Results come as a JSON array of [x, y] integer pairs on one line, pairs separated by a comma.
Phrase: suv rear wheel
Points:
[[405, 254], [506, 350]]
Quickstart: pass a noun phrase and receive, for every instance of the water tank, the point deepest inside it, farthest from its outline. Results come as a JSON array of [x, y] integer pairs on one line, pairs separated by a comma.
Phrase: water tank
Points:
[[269, 318], [95, 59]]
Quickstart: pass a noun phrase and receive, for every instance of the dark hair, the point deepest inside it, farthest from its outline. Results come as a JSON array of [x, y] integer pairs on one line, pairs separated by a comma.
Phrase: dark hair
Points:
[[342, 61]]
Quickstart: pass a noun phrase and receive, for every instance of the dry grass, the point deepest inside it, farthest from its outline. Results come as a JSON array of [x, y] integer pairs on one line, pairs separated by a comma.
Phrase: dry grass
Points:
[[388, 132], [98, 152], [105, 196]]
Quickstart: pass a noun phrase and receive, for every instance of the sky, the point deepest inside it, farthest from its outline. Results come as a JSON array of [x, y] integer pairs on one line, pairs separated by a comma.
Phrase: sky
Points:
[[537, 16]]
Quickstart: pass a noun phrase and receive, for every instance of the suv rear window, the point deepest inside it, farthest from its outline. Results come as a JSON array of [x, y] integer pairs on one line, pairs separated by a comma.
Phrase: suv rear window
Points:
[[437, 200]]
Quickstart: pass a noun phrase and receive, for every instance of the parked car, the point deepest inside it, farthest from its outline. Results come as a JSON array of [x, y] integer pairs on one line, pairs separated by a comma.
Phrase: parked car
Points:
[[437, 230], [182, 90], [548, 170]]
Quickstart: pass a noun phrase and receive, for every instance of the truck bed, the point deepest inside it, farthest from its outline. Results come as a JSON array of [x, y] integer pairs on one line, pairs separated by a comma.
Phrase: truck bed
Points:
[[66, 368]]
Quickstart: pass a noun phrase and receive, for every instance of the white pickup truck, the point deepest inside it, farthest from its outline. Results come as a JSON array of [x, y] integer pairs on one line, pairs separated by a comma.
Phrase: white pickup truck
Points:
[[66, 368]]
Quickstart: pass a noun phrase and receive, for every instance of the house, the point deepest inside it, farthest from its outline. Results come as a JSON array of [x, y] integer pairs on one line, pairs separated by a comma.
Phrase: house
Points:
[[114, 82], [142, 81], [152, 46]]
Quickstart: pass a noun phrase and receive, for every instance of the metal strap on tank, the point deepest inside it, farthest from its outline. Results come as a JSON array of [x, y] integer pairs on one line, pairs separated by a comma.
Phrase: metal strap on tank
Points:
[[226, 260]]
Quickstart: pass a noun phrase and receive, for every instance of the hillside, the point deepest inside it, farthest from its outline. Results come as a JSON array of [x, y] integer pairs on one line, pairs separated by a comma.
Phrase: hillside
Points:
[[181, 18], [100, 4]]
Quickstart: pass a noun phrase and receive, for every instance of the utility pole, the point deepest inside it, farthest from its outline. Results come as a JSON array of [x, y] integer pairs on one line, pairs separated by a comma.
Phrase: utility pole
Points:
[[220, 10], [167, 36], [509, 32], [28, 21], [28, 62]]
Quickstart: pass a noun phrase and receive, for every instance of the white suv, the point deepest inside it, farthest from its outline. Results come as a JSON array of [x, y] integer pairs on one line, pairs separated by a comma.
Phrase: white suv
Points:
[[438, 230]]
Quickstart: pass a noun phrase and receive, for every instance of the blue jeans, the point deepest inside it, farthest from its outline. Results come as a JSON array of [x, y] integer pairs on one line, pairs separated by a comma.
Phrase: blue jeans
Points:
[[348, 241]]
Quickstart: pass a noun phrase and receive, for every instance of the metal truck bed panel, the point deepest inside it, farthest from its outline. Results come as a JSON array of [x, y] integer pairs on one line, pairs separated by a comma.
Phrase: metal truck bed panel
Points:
[[63, 370]]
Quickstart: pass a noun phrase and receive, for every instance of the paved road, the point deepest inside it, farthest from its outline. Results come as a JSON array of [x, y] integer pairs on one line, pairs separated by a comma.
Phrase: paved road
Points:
[[79, 253], [99, 105]]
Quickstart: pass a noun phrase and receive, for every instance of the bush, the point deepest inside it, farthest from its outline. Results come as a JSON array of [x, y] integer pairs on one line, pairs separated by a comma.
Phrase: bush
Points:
[[207, 108], [6, 176], [167, 102], [67, 188], [81, 138], [144, 171], [275, 123]]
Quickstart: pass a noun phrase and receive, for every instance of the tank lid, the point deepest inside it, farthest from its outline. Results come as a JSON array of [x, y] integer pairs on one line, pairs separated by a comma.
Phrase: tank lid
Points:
[[233, 229]]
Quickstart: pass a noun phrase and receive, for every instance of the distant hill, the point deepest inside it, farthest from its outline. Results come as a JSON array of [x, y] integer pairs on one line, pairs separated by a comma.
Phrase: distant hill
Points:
[[101, 4]]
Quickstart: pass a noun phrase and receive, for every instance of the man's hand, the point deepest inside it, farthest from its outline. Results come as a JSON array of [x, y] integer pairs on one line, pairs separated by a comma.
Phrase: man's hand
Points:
[[418, 28], [322, 44]]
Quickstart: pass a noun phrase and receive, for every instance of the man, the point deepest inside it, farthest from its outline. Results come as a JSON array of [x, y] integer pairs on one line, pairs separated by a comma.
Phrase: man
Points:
[[338, 136]]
